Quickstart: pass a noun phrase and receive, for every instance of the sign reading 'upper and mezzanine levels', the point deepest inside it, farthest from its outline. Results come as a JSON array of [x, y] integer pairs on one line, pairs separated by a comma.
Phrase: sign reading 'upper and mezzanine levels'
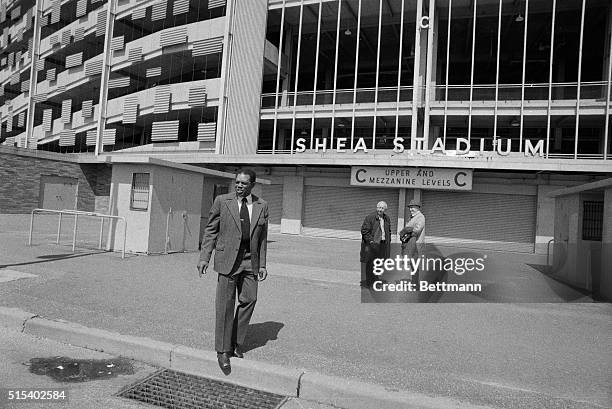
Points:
[[416, 178]]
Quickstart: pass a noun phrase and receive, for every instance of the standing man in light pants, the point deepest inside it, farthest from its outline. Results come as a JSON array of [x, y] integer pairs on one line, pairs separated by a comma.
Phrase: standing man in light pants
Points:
[[414, 245]]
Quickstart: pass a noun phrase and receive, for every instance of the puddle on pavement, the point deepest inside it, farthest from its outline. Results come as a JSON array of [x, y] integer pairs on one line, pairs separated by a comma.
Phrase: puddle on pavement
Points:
[[65, 369]]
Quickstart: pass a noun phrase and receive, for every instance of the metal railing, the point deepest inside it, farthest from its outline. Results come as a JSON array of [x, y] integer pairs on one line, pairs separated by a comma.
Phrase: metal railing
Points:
[[76, 214], [593, 90], [589, 90], [343, 96], [548, 252]]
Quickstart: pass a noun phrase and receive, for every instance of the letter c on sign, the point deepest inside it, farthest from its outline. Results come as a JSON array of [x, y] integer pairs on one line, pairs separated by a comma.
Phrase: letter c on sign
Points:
[[357, 175], [457, 179], [424, 23]]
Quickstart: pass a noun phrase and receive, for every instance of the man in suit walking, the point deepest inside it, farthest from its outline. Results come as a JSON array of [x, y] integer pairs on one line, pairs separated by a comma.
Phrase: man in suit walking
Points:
[[375, 241], [237, 230]]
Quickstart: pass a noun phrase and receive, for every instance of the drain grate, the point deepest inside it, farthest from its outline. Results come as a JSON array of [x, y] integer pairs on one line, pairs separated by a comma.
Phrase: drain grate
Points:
[[177, 390]]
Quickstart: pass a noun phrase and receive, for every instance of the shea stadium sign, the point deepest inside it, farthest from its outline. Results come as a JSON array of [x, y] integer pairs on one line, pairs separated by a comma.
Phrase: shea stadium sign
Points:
[[502, 146], [416, 178]]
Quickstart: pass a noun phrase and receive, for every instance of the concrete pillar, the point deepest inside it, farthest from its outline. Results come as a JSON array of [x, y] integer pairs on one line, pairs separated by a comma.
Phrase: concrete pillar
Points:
[[293, 196], [401, 210], [575, 274], [545, 219], [568, 262], [605, 283]]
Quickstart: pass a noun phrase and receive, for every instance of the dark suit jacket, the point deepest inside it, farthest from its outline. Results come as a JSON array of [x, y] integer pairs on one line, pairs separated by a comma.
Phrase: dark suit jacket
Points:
[[369, 227], [223, 233]]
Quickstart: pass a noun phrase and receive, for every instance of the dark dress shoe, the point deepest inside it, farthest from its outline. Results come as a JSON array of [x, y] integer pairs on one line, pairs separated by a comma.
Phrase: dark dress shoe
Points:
[[224, 360], [238, 352]]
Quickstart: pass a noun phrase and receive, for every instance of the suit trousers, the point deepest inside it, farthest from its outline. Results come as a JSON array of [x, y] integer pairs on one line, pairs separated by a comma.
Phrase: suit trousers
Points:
[[375, 250], [230, 327], [413, 250]]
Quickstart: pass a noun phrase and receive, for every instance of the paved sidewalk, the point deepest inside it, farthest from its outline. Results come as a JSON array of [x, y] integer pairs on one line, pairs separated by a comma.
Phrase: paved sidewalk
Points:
[[17, 349], [309, 315]]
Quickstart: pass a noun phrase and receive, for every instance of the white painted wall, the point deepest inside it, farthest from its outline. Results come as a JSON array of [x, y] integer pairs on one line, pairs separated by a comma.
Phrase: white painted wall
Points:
[[181, 192], [137, 220]]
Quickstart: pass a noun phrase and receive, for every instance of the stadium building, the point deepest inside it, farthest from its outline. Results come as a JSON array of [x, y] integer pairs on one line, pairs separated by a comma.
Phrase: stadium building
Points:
[[484, 110]]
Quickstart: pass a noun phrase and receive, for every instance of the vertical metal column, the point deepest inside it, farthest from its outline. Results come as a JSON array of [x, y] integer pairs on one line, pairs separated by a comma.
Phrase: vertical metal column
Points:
[[428, 72], [550, 73], [499, 19], [355, 79], [579, 81], [472, 74], [74, 231], [297, 71], [279, 63], [106, 68], [448, 38], [59, 229], [415, 78], [377, 74], [33, 72], [523, 74], [333, 118], [399, 73], [101, 233], [607, 119], [314, 91]]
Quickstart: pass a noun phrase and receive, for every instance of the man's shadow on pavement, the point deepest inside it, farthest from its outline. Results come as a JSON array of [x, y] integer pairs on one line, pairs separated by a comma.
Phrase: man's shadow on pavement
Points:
[[260, 333]]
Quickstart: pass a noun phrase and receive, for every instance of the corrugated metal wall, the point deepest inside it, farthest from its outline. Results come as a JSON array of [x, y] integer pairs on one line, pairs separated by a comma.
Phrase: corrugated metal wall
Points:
[[331, 211], [273, 194], [245, 77], [480, 220]]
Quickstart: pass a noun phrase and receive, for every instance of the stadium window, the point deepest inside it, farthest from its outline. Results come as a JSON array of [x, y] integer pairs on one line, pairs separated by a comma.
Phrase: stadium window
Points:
[[592, 220]]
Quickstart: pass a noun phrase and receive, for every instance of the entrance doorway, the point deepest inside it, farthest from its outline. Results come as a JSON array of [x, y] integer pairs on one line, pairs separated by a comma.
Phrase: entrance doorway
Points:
[[58, 192]]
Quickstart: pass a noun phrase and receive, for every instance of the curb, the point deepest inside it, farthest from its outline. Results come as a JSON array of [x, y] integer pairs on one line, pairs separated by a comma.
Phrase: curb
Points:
[[346, 393], [14, 318], [329, 390]]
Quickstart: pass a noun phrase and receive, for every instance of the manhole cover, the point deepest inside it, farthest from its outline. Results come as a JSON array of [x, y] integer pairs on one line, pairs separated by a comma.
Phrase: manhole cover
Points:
[[177, 390]]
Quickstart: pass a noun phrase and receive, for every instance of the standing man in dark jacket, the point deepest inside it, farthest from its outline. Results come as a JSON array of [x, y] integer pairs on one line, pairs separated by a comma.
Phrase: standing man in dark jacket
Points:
[[375, 241], [237, 230]]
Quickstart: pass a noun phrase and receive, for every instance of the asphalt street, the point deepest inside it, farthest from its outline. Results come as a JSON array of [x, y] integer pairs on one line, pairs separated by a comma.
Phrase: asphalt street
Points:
[[310, 315]]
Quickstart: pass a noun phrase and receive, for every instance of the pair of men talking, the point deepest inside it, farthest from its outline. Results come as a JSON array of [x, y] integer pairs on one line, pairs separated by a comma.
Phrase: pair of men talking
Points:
[[376, 238]]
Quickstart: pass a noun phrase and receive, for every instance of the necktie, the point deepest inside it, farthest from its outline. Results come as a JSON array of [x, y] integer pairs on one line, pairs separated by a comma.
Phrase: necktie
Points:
[[245, 223]]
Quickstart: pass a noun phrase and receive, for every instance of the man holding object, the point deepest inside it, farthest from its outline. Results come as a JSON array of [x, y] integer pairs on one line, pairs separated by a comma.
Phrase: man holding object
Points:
[[237, 230], [375, 242], [413, 235]]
